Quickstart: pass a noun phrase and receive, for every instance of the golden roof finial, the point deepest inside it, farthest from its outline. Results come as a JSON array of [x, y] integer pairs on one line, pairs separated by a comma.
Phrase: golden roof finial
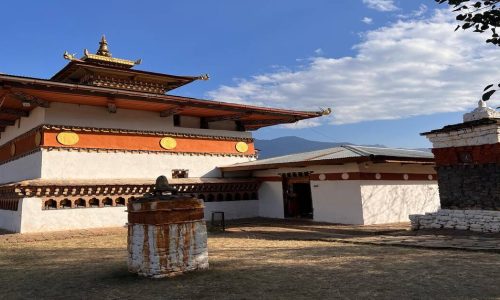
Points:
[[103, 47], [325, 111]]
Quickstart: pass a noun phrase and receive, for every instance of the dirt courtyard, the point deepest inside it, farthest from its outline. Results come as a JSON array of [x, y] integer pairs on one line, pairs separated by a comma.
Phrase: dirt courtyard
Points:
[[244, 264]]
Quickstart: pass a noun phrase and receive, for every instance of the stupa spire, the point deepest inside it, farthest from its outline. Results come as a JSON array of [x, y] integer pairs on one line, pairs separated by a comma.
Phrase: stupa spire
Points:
[[102, 57], [103, 47]]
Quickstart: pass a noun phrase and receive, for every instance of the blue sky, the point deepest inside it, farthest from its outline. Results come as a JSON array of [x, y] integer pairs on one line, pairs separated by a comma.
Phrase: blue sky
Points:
[[388, 69]]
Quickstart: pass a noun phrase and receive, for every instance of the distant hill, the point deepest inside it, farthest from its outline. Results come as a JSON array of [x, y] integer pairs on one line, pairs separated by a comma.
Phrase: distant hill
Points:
[[292, 144]]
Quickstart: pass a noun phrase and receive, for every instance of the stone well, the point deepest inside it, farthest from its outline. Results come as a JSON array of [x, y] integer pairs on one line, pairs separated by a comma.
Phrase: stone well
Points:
[[166, 233], [468, 169]]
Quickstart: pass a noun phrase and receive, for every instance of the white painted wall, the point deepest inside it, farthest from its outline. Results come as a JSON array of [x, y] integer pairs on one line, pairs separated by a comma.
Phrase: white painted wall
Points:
[[90, 165], [393, 201], [222, 125], [471, 136], [190, 122], [36, 118], [93, 116], [337, 201], [26, 167], [10, 220], [271, 200], [34, 219], [233, 209]]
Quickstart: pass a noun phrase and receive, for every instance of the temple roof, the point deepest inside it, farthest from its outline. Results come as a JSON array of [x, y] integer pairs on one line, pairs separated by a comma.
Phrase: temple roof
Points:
[[19, 95], [102, 80], [103, 70]]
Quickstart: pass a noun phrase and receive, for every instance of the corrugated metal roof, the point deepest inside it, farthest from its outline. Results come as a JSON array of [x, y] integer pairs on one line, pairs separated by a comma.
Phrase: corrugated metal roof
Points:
[[396, 152], [342, 152]]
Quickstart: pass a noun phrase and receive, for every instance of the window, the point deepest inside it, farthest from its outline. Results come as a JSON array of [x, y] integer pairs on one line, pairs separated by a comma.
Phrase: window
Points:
[[120, 201], [65, 203], [51, 204], [177, 120], [80, 203], [94, 202], [107, 202], [203, 123], [180, 173]]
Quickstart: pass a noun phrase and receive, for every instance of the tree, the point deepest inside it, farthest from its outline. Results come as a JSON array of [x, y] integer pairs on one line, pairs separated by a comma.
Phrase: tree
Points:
[[480, 16]]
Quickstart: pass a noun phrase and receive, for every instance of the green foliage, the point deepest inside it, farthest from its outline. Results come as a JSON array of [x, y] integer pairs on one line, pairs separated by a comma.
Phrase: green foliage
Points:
[[480, 16]]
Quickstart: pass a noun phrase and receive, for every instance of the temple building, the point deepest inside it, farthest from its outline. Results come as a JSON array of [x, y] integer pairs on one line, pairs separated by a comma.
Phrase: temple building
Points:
[[75, 148], [345, 185]]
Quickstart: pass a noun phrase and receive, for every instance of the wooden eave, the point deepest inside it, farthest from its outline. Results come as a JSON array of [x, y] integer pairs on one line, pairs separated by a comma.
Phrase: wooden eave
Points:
[[67, 188], [338, 161], [43, 92]]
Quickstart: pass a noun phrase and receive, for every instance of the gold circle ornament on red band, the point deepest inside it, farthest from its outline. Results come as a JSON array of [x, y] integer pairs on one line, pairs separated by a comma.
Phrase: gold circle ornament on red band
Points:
[[12, 149], [68, 138], [38, 138], [241, 147], [168, 143]]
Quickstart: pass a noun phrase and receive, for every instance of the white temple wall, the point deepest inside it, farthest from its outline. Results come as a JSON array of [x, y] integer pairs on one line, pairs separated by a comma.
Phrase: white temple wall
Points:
[[92, 116], [222, 125], [190, 122], [92, 165], [36, 118], [10, 220], [337, 201], [100, 117], [271, 200], [393, 201], [34, 219], [26, 167], [233, 209]]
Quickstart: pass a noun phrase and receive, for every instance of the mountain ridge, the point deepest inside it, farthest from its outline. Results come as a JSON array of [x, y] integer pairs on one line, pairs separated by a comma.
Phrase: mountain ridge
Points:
[[293, 144]]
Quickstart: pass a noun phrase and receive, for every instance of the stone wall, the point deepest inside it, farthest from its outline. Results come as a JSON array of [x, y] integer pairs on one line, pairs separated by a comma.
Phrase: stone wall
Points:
[[474, 220], [469, 186]]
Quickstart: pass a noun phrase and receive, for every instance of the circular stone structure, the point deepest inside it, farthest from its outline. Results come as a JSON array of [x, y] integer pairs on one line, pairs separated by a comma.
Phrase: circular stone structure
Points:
[[167, 235]]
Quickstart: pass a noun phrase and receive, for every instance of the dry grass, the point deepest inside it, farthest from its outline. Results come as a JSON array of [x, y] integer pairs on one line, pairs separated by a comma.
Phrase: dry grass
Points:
[[244, 267]]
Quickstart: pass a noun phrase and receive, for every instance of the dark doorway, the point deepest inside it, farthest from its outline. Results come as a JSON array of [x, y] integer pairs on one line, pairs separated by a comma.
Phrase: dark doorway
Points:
[[297, 198]]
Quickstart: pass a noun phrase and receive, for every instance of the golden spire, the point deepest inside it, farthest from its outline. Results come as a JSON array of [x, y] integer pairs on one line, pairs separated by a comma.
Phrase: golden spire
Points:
[[103, 47]]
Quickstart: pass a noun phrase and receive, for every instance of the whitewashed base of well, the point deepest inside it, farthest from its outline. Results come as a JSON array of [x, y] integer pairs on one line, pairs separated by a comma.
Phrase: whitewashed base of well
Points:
[[159, 251], [474, 220]]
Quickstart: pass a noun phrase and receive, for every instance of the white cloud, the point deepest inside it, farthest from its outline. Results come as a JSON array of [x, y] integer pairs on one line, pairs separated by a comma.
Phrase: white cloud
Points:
[[381, 5], [318, 51], [418, 13], [367, 20], [412, 67]]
